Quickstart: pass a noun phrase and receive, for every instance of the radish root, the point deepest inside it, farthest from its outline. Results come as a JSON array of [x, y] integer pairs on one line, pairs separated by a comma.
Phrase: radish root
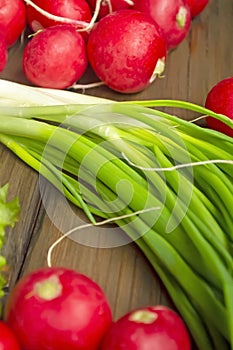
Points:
[[87, 86], [85, 26], [178, 166], [100, 223]]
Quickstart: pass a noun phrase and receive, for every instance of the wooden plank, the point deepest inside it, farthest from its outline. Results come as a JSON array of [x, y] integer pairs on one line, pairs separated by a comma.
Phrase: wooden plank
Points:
[[204, 58], [23, 184]]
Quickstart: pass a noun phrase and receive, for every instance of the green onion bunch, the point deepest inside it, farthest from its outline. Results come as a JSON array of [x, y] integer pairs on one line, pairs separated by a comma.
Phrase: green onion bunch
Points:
[[113, 159]]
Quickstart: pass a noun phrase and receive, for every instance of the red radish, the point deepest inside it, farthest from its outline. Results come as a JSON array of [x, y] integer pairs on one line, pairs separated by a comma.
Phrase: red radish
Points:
[[220, 100], [197, 6], [7, 338], [72, 9], [148, 328], [115, 4], [12, 20], [55, 57], [127, 50], [58, 308], [3, 53], [173, 16]]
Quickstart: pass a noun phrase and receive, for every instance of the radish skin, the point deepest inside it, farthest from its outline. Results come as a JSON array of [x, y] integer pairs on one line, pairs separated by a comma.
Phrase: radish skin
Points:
[[8, 340], [12, 20], [220, 100], [148, 328], [127, 50], [3, 53], [196, 6], [173, 16], [71, 311], [55, 58], [115, 6]]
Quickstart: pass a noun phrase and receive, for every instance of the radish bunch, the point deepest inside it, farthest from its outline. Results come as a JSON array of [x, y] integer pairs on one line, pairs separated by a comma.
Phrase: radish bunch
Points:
[[57, 308], [125, 42]]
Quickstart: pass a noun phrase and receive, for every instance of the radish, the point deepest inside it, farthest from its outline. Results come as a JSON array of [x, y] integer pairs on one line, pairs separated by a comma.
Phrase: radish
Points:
[[55, 57], [197, 6], [127, 50], [58, 308], [148, 328], [12, 20], [115, 5], [8, 340], [173, 16], [72, 9], [220, 100], [3, 53]]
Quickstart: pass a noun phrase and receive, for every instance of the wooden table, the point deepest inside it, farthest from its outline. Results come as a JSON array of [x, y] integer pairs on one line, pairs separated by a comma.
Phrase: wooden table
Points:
[[203, 58]]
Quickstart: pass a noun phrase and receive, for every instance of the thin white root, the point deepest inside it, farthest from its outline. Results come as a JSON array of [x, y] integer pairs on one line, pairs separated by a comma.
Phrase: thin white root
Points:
[[101, 223], [85, 26], [60, 19], [86, 86], [178, 166], [95, 15], [197, 119], [108, 3]]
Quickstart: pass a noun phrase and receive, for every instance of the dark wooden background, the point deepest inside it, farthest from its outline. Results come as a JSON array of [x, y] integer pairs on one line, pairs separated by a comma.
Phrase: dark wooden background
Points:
[[203, 58]]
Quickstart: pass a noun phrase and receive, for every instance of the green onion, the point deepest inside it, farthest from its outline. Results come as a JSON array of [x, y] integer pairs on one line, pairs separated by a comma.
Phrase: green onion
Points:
[[127, 158]]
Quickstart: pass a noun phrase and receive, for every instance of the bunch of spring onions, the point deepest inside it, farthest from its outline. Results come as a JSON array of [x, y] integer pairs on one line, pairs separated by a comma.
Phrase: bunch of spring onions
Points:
[[122, 158]]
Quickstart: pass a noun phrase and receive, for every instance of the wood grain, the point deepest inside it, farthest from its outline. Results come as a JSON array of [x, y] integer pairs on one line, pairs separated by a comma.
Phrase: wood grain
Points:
[[203, 58]]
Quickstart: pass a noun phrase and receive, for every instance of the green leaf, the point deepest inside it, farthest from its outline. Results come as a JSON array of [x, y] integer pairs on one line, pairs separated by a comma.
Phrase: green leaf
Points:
[[8, 216], [8, 210]]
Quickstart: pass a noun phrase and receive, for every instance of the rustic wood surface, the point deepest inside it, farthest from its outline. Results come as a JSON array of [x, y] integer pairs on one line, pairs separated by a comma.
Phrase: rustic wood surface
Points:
[[203, 58]]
